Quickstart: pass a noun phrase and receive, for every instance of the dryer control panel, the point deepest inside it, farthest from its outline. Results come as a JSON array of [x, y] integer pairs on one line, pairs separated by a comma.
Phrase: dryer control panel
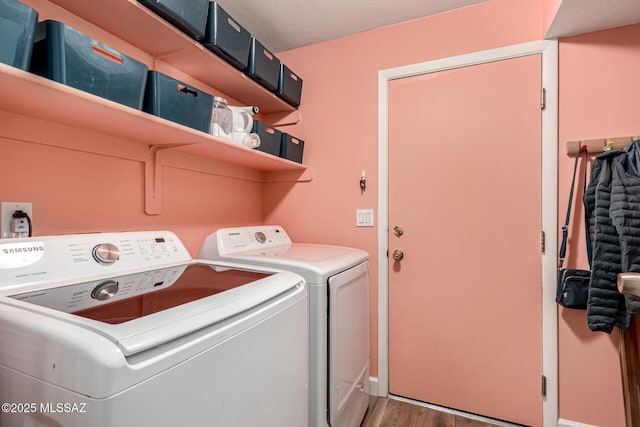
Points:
[[227, 241]]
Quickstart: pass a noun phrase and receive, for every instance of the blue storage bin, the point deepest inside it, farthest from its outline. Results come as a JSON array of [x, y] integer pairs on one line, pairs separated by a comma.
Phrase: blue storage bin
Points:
[[264, 66], [71, 58], [17, 28], [190, 16], [173, 100], [226, 38], [289, 86], [270, 138], [292, 148]]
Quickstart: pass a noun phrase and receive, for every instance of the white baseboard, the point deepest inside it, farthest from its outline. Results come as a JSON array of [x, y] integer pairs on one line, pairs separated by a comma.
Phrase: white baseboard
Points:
[[568, 423], [371, 387]]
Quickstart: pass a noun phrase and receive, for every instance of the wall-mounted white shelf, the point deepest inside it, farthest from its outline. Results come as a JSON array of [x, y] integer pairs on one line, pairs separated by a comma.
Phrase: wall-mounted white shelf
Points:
[[36, 97], [30, 95], [33, 97], [142, 28]]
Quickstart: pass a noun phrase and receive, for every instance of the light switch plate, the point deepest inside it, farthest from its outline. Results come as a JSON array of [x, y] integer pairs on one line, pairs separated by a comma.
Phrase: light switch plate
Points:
[[364, 217]]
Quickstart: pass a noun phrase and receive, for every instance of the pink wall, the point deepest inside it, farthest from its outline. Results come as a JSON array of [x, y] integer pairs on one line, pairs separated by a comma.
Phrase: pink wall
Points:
[[549, 10], [75, 191], [79, 181], [339, 116], [598, 88]]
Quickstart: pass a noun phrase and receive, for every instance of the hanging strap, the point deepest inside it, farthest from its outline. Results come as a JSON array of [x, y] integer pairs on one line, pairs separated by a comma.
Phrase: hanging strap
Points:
[[587, 228], [565, 227]]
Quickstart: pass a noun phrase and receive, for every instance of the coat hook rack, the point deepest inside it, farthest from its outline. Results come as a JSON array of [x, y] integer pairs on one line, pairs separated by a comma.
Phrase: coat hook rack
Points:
[[595, 146]]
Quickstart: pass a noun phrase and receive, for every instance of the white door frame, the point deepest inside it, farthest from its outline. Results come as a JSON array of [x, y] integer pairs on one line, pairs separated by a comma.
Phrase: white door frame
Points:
[[549, 51]]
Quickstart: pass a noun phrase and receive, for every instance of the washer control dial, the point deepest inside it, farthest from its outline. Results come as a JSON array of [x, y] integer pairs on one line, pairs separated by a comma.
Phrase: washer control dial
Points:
[[106, 253], [261, 237], [105, 290]]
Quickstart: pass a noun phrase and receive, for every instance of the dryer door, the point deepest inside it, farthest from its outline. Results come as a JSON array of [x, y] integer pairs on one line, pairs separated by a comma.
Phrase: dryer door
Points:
[[348, 345]]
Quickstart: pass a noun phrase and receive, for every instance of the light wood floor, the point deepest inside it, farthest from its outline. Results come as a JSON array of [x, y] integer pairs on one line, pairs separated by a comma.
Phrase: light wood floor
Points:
[[394, 413]]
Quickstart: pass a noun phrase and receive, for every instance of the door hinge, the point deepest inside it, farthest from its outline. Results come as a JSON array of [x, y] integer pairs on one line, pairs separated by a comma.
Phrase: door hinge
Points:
[[543, 98], [542, 241], [544, 386]]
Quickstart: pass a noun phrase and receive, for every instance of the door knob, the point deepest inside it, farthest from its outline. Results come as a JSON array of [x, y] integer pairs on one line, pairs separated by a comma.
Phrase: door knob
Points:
[[398, 230], [398, 255]]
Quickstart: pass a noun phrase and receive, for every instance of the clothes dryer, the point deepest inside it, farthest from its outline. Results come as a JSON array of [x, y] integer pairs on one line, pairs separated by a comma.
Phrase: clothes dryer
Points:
[[125, 329], [338, 282]]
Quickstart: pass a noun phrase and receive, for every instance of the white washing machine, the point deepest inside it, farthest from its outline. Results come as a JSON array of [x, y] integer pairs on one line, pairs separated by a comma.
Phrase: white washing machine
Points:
[[125, 329], [338, 280]]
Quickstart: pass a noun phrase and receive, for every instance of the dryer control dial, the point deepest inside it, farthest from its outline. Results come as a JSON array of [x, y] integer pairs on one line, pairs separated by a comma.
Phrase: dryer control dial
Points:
[[261, 237], [106, 253], [105, 290]]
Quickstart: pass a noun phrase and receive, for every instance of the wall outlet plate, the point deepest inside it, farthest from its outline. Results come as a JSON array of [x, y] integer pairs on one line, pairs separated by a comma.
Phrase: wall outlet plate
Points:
[[6, 212]]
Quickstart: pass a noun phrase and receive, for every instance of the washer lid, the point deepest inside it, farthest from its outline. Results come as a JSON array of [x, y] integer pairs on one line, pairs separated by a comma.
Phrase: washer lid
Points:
[[142, 310]]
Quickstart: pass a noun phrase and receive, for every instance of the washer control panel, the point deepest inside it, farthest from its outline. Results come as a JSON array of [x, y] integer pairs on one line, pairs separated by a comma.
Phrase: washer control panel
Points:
[[106, 253], [28, 261]]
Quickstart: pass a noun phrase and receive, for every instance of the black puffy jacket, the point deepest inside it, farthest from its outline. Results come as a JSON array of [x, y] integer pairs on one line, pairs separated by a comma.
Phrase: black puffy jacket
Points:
[[605, 202]]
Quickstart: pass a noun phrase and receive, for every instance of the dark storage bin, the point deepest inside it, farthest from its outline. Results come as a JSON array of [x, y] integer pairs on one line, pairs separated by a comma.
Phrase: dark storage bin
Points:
[[173, 100], [71, 58], [190, 16], [17, 28], [264, 66], [270, 138], [292, 148], [226, 37], [289, 86]]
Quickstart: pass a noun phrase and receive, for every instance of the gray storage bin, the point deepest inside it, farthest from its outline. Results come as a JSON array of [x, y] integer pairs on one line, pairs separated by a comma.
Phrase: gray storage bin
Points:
[[289, 86], [173, 100], [226, 37], [190, 16], [71, 58], [292, 148], [17, 28], [264, 66], [270, 138]]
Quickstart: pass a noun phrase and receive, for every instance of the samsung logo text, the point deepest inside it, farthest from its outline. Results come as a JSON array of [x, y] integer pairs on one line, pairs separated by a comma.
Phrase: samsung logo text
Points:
[[23, 249]]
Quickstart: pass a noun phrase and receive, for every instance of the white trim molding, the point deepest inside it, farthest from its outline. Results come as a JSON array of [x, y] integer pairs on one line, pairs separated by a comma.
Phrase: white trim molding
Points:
[[549, 51], [568, 423]]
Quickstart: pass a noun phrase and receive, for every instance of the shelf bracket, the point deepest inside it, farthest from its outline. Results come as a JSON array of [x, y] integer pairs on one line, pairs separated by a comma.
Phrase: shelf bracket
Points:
[[289, 176], [153, 178], [282, 118]]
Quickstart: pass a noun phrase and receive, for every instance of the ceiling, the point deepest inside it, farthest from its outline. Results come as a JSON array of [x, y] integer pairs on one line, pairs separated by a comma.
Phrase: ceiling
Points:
[[583, 16], [286, 24]]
